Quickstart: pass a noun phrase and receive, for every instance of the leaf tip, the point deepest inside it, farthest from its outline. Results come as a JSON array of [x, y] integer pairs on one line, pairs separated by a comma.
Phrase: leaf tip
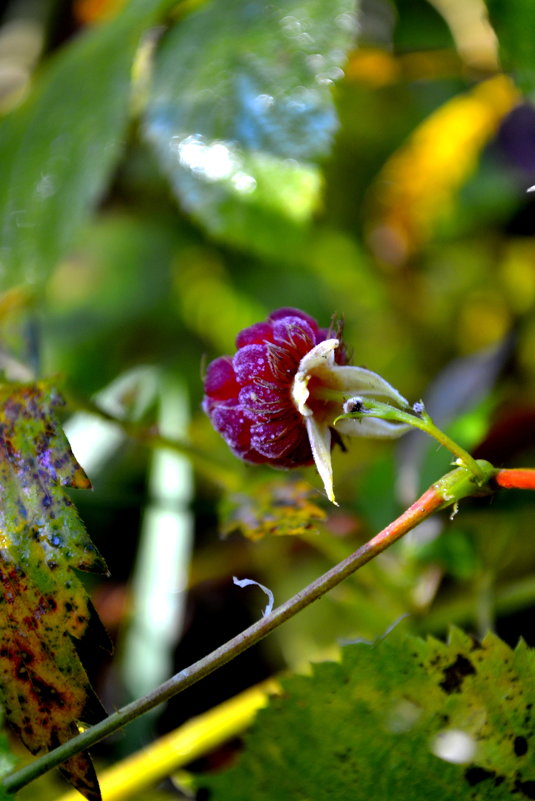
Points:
[[80, 480]]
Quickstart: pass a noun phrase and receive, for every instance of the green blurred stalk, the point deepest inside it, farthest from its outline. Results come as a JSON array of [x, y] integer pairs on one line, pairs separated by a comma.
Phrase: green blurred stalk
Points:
[[160, 574]]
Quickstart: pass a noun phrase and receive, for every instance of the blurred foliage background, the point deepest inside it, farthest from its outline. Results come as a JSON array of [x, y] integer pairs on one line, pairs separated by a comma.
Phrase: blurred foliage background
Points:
[[171, 173]]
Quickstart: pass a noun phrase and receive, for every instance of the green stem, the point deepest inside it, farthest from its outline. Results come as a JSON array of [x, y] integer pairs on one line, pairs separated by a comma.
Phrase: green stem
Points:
[[426, 424], [205, 463], [462, 608], [446, 491], [422, 421], [485, 607]]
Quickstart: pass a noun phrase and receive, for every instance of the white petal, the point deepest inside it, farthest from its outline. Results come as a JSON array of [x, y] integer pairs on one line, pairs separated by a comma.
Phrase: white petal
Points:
[[321, 355], [300, 393], [246, 582], [319, 437], [360, 381], [371, 427]]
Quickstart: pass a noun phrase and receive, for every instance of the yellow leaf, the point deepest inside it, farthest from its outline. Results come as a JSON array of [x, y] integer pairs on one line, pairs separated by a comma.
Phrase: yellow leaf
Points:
[[418, 184]]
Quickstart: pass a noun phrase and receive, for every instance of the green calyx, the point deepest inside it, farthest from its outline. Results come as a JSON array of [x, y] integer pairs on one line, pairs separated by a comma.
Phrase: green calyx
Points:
[[462, 483]]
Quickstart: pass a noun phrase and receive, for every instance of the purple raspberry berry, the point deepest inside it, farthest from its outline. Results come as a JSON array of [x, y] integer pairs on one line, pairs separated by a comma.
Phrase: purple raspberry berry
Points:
[[278, 398], [248, 398]]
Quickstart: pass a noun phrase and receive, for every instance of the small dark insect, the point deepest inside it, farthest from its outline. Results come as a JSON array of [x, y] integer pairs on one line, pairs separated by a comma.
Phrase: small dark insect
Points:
[[354, 405]]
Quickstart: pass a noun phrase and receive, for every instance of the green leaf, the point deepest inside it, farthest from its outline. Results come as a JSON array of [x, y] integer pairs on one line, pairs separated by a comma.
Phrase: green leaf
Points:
[[514, 22], [58, 149], [43, 606], [405, 718], [241, 109]]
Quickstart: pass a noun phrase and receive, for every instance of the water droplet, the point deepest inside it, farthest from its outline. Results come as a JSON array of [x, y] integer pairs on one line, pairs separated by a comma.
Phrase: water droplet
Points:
[[454, 746], [46, 187], [214, 162], [20, 219], [291, 25], [347, 22], [243, 182], [403, 717], [316, 61], [329, 76], [305, 40], [261, 103]]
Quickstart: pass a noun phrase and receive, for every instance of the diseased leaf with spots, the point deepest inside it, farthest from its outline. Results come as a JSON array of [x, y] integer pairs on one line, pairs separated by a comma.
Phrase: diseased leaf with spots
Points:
[[270, 508], [44, 608], [405, 719]]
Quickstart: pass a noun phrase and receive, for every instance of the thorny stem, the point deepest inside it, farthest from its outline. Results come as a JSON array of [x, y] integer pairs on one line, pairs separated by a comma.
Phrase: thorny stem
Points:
[[450, 489]]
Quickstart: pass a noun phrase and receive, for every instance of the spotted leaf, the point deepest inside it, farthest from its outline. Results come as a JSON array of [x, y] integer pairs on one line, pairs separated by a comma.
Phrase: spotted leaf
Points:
[[403, 718], [44, 609], [270, 508]]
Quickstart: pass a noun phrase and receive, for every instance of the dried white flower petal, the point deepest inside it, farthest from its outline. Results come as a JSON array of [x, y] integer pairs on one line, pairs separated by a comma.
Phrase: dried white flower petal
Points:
[[319, 436], [319, 363], [246, 582]]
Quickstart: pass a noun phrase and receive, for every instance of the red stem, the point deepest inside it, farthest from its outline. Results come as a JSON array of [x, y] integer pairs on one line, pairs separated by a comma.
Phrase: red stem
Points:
[[517, 478]]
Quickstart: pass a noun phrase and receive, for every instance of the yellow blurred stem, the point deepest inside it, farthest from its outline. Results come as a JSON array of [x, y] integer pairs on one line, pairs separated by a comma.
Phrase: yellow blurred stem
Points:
[[89, 12], [418, 184], [14, 301], [194, 739], [474, 37], [377, 68]]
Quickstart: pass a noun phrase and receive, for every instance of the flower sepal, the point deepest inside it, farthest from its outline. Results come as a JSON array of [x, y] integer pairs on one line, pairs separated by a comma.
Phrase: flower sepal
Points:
[[322, 387], [359, 409]]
